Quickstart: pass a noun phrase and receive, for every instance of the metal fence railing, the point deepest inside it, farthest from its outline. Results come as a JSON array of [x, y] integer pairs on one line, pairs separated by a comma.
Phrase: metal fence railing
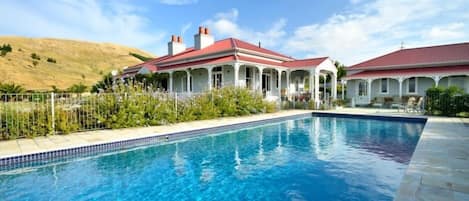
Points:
[[40, 114], [35, 114]]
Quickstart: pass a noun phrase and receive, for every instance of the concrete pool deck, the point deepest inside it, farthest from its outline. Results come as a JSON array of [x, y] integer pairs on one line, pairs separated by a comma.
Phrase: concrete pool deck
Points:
[[439, 168]]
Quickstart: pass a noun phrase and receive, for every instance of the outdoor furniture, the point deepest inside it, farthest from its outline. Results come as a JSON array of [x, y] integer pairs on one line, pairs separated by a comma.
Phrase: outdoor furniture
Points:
[[378, 102], [397, 104], [410, 104], [419, 106]]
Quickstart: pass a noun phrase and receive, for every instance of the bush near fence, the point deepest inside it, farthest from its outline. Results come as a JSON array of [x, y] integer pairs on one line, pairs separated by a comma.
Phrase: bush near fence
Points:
[[451, 101], [30, 115]]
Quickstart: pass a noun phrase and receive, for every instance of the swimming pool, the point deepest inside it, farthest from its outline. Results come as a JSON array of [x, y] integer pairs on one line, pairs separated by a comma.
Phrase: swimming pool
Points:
[[313, 158]]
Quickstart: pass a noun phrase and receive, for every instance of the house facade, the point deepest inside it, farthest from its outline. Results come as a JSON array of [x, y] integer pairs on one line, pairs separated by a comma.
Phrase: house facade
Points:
[[408, 72], [213, 64]]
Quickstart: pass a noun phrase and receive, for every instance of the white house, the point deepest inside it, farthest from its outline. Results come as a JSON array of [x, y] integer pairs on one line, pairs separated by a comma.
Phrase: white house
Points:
[[409, 72], [231, 62]]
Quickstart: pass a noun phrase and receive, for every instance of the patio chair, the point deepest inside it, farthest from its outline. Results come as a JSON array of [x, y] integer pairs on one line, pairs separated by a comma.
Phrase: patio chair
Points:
[[410, 105], [397, 103], [378, 102], [419, 106]]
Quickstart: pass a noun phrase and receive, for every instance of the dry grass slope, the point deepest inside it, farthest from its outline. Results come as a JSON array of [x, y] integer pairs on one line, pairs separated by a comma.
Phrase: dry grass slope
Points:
[[76, 61]]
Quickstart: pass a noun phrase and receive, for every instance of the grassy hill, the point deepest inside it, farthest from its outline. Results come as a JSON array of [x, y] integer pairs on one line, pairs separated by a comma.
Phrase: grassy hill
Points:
[[75, 61]]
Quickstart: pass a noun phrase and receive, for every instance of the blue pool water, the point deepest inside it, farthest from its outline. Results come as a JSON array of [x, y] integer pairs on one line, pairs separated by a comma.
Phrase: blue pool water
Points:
[[318, 158]]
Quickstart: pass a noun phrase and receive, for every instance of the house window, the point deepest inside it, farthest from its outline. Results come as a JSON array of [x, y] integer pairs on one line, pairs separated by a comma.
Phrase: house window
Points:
[[412, 85], [248, 78], [217, 77], [384, 85], [266, 82], [362, 88], [277, 79]]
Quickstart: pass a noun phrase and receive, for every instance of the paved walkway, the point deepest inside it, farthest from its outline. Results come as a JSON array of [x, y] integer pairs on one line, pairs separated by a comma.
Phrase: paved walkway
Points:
[[439, 169], [56, 142]]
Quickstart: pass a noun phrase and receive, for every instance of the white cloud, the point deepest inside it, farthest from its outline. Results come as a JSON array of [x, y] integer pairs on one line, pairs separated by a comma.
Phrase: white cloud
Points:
[[375, 28], [92, 20], [444, 32], [185, 27], [178, 2], [225, 24]]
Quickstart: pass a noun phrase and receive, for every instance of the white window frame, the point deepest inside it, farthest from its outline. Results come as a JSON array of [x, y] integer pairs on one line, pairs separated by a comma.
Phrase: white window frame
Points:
[[219, 71], [381, 86], [416, 85], [249, 80], [268, 76], [366, 88]]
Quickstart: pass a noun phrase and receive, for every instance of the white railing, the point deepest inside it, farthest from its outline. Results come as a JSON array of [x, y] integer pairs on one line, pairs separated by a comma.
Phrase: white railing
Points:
[[36, 114]]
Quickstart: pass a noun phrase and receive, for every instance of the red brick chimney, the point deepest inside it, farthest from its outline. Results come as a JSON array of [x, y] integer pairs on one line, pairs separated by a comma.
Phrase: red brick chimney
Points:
[[201, 30], [203, 38], [176, 46]]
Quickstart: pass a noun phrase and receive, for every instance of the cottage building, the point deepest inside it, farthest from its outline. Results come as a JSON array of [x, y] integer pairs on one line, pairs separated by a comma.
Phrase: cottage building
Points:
[[232, 62], [408, 72]]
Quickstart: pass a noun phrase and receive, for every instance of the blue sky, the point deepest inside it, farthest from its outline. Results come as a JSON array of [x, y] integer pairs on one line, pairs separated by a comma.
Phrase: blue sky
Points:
[[346, 30]]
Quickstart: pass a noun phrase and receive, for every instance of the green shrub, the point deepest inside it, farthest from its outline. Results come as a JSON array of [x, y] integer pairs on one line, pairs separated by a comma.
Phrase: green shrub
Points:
[[451, 101], [270, 107], [77, 88], [35, 56], [51, 60], [4, 49], [128, 106], [311, 105]]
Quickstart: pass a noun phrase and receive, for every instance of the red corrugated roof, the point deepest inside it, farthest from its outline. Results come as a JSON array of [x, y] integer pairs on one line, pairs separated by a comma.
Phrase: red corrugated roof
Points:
[[463, 70], [415, 56], [220, 46], [227, 45], [304, 62], [202, 62], [249, 46]]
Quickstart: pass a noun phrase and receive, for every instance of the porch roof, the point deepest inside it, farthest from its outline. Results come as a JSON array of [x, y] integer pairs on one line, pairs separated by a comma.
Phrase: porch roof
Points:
[[218, 60], [412, 72]]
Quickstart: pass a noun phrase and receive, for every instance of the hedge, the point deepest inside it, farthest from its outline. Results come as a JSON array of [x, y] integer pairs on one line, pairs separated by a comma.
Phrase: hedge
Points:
[[447, 102]]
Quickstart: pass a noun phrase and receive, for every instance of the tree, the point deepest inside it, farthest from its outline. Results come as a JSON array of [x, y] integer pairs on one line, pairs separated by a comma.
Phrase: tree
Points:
[[11, 88], [341, 72], [140, 57], [55, 89], [77, 88], [103, 85]]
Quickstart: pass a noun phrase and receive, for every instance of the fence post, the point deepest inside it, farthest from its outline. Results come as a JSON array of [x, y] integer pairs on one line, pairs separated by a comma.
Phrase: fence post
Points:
[[176, 103], [52, 103]]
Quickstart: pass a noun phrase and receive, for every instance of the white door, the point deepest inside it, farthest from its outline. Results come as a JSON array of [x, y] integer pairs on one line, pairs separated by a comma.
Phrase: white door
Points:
[[217, 80], [362, 92]]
